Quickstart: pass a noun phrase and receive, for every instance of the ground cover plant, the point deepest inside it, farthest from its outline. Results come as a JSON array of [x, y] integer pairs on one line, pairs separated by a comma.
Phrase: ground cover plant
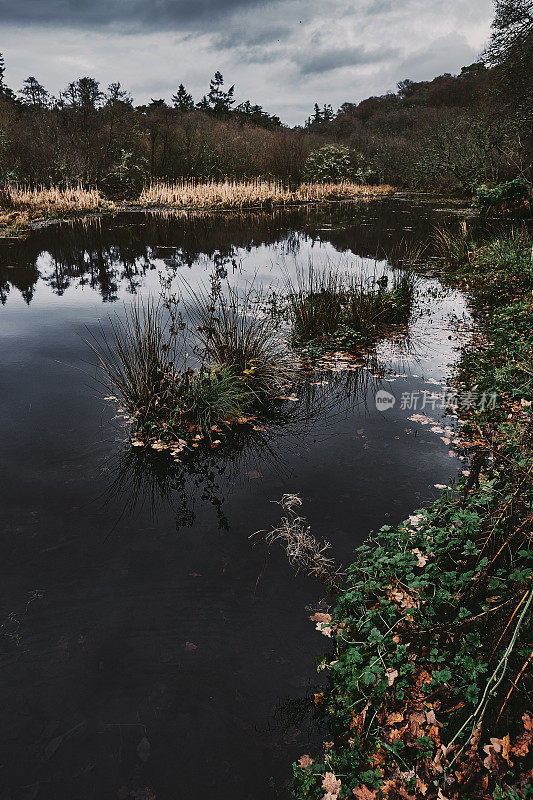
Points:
[[429, 678]]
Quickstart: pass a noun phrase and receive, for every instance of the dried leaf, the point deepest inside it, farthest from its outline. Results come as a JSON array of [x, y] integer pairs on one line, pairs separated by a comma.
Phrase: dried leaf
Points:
[[331, 784], [362, 793], [391, 674]]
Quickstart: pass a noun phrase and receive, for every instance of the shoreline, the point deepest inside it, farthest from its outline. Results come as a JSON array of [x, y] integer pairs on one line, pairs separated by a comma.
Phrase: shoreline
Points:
[[411, 675], [17, 224]]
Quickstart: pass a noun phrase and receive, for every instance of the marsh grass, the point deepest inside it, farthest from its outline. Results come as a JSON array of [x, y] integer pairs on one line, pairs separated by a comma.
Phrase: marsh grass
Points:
[[249, 193], [337, 308], [136, 360], [53, 200], [236, 332], [144, 358]]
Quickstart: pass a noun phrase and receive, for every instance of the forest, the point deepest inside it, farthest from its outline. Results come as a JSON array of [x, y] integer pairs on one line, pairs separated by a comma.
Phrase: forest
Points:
[[451, 133]]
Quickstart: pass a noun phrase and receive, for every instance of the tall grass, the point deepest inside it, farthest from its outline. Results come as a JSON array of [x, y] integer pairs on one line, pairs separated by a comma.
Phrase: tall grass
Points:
[[254, 192], [137, 360], [53, 199], [329, 304], [241, 359], [236, 331]]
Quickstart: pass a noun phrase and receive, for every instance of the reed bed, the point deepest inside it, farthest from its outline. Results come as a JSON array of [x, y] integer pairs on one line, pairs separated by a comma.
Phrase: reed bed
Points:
[[255, 192], [52, 200]]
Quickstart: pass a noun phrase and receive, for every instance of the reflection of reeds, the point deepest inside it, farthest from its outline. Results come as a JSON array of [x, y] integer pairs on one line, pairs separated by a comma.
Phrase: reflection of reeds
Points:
[[255, 192]]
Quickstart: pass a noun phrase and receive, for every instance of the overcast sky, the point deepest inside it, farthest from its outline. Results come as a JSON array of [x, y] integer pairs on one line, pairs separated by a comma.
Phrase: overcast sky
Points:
[[284, 54]]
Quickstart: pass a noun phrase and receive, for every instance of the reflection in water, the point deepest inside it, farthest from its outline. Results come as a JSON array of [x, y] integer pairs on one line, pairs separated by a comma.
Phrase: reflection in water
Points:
[[107, 252], [165, 651], [142, 477]]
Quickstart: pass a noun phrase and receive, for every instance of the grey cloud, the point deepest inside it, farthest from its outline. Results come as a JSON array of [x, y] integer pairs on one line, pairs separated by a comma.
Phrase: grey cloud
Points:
[[328, 60], [129, 15]]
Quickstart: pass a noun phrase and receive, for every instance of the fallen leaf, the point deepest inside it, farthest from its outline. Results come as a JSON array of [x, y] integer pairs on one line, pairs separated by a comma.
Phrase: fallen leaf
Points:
[[420, 557], [391, 674], [331, 784], [362, 793]]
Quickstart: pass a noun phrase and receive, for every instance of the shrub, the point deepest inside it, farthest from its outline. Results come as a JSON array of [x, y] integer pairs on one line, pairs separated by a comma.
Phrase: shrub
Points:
[[513, 197], [336, 163]]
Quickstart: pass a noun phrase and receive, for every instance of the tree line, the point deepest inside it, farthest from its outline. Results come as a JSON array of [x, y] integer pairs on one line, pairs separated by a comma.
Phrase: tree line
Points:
[[452, 132]]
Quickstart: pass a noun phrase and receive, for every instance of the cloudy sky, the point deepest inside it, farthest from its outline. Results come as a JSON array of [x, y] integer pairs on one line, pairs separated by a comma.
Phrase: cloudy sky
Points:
[[283, 54]]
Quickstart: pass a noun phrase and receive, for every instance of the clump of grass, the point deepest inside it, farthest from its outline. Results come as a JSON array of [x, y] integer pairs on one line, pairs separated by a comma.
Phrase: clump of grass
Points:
[[454, 247], [236, 332], [241, 364], [338, 309], [52, 200], [500, 268], [213, 395], [137, 361], [315, 303], [250, 193]]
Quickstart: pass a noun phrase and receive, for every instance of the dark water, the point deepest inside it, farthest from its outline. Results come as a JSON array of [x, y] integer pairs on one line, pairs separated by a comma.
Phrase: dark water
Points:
[[148, 646]]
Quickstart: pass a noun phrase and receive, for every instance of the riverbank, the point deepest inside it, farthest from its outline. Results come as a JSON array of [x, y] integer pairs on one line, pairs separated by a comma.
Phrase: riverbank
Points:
[[432, 653], [21, 208]]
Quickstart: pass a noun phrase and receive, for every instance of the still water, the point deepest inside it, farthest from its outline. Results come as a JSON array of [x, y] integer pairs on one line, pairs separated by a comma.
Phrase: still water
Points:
[[149, 647]]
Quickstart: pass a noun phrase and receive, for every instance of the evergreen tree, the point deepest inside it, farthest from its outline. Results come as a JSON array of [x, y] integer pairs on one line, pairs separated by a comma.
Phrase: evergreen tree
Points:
[[116, 94], [4, 90], [218, 100], [34, 94], [182, 100]]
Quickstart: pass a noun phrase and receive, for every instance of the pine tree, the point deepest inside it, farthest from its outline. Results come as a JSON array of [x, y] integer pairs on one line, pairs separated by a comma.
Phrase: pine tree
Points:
[[34, 94], [182, 100], [4, 90], [218, 100]]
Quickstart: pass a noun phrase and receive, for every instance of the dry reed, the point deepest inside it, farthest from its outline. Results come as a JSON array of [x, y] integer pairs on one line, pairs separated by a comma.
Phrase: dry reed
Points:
[[255, 192], [53, 199]]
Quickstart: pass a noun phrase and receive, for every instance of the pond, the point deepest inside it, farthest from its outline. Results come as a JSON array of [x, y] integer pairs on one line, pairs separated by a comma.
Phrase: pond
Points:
[[148, 646]]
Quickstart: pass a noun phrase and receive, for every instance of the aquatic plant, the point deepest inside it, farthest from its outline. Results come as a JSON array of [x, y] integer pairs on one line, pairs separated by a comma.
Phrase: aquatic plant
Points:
[[236, 331], [255, 192], [213, 395], [340, 309], [52, 200], [137, 361]]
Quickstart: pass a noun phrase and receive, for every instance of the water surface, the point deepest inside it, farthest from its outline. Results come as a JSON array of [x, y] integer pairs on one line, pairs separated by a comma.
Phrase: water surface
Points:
[[149, 647]]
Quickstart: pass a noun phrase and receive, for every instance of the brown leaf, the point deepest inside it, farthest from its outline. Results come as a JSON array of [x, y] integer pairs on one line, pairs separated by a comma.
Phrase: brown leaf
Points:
[[394, 718], [331, 784], [358, 720], [362, 793], [391, 674], [523, 743]]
